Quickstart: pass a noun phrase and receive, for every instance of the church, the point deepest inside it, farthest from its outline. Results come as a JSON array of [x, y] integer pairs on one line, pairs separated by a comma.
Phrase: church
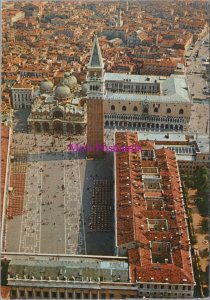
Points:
[[58, 110]]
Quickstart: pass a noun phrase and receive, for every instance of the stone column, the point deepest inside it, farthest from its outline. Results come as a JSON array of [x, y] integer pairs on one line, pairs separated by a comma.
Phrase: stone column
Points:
[[74, 129], [33, 293], [32, 127], [64, 128], [41, 123], [51, 127], [18, 293]]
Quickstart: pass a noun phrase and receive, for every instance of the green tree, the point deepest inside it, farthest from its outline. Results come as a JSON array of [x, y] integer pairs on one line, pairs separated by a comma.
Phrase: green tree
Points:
[[201, 183], [205, 225]]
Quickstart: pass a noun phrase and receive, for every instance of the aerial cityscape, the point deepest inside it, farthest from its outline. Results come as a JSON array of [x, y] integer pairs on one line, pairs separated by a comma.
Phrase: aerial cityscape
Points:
[[105, 149]]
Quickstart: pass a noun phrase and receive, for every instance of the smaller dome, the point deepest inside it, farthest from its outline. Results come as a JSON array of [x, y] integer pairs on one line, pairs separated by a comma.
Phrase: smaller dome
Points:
[[84, 89], [67, 74], [62, 92], [46, 86], [69, 80]]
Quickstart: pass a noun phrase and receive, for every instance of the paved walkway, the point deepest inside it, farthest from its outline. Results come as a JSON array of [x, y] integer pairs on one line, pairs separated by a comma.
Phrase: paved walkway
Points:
[[199, 118]]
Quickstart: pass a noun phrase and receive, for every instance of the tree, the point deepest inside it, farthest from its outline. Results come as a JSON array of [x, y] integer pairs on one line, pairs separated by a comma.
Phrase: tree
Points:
[[201, 183], [202, 205], [205, 225]]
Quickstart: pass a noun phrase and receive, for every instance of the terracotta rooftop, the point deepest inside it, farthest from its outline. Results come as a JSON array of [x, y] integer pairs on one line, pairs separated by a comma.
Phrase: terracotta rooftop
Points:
[[4, 151], [151, 214], [22, 86], [5, 292]]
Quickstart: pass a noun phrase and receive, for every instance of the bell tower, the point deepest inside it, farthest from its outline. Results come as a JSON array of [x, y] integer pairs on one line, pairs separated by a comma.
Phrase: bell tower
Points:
[[95, 105]]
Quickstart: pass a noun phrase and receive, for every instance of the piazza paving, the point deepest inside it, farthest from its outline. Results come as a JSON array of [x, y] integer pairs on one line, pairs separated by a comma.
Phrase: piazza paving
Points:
[[57, 199]]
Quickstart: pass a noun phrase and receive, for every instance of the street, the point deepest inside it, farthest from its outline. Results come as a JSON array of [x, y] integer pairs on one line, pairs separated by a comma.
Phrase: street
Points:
[[194, 72]]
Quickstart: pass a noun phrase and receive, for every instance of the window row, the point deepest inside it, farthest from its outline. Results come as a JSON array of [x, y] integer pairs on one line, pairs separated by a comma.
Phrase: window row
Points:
[[135, 108], [94, 88], [132, 87], [62, 295], [162, 286], [22, 97], [154, 294]]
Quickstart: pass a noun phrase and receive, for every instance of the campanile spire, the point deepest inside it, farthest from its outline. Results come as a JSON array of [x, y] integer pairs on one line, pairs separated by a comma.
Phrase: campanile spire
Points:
[[96, 60]]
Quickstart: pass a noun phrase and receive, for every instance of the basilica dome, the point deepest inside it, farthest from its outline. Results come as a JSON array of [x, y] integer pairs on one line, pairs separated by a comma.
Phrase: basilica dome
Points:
[[62, 92], [70, 80], [46, 87], [84, 89]]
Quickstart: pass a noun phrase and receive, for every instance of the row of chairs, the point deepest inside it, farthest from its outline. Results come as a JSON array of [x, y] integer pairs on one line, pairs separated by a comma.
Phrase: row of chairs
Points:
[[102, 209]]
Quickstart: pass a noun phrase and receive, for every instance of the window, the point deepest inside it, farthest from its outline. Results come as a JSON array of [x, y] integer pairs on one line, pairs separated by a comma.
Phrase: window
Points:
[[162, 286], [14, 294], [148, 286], [124, 108], [103, 296], [30, 294], [112, 107], [70, 295], [168, 111], [184, 287], [135, 108], [123, 296], [189, 288], [38, 294], [86, 296], [22, 294], [176, 287], [46, 295], [181, 111], [78, 296], [54, 295], [62, 295], [155, 286], [141, 286], [94, 296], [156, 109], [111, 295]]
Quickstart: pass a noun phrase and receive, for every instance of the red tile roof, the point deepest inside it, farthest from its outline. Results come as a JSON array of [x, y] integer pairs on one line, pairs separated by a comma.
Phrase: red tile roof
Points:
[[5, 292], [134, 214], [4, 151]]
